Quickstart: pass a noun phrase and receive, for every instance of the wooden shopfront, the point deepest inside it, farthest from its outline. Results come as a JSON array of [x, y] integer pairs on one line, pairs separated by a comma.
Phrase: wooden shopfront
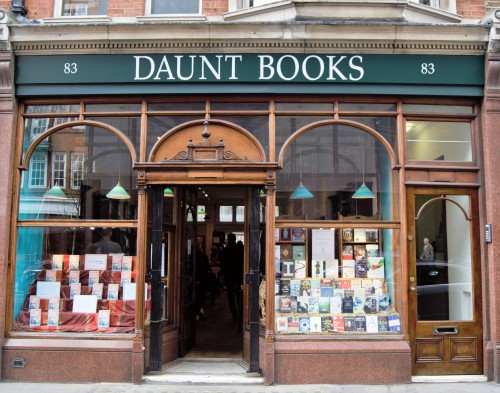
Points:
[[337, 188]]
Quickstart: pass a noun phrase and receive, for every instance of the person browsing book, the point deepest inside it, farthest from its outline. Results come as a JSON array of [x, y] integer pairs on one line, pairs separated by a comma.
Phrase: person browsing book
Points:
[[104, 245], [231, 260]]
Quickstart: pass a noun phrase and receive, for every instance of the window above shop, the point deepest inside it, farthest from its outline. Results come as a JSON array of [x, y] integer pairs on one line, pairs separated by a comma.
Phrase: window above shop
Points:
[[80, 8]]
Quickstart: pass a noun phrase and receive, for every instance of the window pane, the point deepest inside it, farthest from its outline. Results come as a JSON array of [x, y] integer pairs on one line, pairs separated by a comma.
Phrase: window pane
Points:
[[49, 259], [52, 108], [226, 214], [100, 160], [304, 106], [258, 126], [240, 213], [34, 127], [84, 7], [435, 140], [175, 7], [176, 106], [239, 106], [440, 109], [324, 167], [367, 107], [125, 107], [444, 259], [59, 169], [160, 125]]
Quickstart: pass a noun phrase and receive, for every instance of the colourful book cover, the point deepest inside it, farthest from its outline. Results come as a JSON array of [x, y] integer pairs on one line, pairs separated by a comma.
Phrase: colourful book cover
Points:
[[287, 268], [360, 323], [304, 324], [349, 324], [298, 235], [285, 287], [347, 305], [383, 323], [338, 323], [361, 268], [371, 304], [324, 305], [394, 323], [282, 324], [372, 250], [371, 234], [375, 267], [298, 251], [302, 304], [359, 251], [347, 252], [326, 291], [326, 323], [315, 287], [286, 251], [294, 287], [347, 235], [293, 324], [305, 288], [359, 301], [384, 303], [285, 304], [313, 307]]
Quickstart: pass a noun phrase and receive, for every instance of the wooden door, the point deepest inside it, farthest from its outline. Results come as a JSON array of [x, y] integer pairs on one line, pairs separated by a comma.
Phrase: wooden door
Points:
[[444, 279], [188, 311]]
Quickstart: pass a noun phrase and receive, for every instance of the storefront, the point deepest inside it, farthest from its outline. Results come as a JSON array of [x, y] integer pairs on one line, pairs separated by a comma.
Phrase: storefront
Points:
[[355, 180]]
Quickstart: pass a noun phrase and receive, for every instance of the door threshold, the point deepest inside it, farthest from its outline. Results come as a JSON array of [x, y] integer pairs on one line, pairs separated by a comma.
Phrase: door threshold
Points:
[[205, 371], [448, 378]]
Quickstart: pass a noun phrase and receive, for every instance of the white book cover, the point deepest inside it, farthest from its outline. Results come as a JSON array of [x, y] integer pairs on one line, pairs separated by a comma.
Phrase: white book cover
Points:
[[93, 277], [35, 317], [57, 261], [315, 324], [116, 262], [103, 318], [127, 263], [53, 318], [97, 289], [54, 303], [336, 305], [126, 277], [50, 275], [34, 303], [300, 268], [375, 267], [75, 289], [359, 235], [282, 324], [113, 291], [74, 262], [73, 277], [371, 324]]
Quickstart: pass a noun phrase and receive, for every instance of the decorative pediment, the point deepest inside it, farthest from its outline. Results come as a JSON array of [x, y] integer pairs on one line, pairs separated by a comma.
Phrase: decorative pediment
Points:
[[205, 150]]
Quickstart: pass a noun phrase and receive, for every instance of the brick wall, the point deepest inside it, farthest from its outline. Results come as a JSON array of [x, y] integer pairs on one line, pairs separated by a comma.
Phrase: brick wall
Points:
[[471, 9], [38, 9], [126, 7]]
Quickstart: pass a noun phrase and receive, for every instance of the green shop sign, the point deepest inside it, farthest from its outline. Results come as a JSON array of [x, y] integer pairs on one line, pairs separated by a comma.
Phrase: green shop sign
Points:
[[130, 71]]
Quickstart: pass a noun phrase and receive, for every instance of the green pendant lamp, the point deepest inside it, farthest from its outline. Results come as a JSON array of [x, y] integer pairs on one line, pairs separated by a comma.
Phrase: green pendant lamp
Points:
[[55, 192], [301, 192], [363, 192], [118, 192], [168, 192]]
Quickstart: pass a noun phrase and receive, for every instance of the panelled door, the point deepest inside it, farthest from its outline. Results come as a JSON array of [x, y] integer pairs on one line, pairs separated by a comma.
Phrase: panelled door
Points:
[[444, 277]]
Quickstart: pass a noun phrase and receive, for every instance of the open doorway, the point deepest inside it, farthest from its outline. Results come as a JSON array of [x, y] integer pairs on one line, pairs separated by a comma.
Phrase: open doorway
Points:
[[194, 280]]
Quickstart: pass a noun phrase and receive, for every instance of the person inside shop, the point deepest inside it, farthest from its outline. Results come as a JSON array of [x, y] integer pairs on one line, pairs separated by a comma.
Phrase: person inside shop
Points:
[[202, 281], [104, 245], [231, 260], [427, 251]]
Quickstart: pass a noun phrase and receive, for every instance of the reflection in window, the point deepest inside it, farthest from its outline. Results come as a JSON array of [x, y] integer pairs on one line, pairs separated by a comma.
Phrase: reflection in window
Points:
[[332, 162], [437, 140], [175, 7], [99, 161], [225, 213], [84, 7]]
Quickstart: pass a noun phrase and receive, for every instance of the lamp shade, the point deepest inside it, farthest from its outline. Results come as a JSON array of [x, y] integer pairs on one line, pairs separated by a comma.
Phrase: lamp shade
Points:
[[301, 192], [55, 192], [118, 192], [363, 192], [168, 192], [262, 193], [202, 212]]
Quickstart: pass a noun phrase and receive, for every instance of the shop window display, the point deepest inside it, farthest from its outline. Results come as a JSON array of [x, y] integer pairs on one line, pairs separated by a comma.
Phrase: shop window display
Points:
[[92, 289]]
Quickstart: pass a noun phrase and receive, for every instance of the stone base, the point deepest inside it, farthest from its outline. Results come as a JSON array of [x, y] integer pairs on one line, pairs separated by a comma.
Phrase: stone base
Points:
[[341, 362], [63, 360]]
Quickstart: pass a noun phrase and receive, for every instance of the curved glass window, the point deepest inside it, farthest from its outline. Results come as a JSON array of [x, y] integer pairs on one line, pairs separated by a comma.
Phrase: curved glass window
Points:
[[71, 173], [324, 167]]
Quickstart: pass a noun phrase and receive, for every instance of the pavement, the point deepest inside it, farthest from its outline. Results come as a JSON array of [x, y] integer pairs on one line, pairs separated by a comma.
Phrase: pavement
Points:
[[155, 387]]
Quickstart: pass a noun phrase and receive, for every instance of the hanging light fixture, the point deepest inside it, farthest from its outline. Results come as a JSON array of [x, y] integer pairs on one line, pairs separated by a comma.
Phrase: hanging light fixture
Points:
[[363, 192], [118, 192], [55, 192], [168, 192], [301, 192]]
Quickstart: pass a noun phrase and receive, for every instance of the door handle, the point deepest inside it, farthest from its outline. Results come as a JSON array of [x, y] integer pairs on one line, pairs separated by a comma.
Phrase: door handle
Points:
[[443, 330]]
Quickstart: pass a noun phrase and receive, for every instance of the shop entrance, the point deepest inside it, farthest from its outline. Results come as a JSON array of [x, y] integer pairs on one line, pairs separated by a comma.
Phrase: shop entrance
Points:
[[444, 282], [205, 270]]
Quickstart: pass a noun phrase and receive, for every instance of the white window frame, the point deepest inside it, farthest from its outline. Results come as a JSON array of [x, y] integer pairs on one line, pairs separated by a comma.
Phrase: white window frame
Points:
[[38, 164], [58, 12], [77, 169], [58, 168], [38, 127], [148, 6]]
